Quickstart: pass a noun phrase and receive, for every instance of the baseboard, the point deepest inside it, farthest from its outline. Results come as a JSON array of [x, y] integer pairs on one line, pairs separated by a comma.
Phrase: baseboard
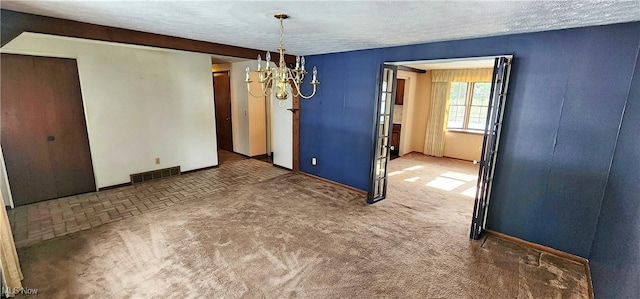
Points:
[[115, 186], [199, 169], [333, 183], [452, 158], [281, 167], [588, 268], [549, 250], [259, 156], [458, 159]]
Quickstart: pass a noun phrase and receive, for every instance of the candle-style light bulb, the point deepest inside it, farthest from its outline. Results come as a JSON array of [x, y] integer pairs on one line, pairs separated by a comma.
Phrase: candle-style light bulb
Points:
[[302, 62], [248, 70], [315, 73], [297, 62], [268, 57], [259, 61]]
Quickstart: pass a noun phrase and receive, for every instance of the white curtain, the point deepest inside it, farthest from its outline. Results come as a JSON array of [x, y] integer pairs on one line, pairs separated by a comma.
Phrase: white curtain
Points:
[[434, 140], [437, 124], [462, 75], [11, 273]]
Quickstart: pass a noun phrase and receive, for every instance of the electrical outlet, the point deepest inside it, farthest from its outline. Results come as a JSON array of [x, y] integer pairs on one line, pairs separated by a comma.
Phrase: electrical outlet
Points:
[[157, 160], [313, 161]]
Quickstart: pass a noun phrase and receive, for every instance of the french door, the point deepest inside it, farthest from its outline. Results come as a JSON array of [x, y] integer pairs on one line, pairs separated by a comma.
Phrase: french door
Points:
[[382, 133], [493, 128]]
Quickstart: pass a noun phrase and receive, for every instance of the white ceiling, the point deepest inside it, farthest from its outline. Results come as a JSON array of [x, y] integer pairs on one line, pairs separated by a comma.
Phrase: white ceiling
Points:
[[325, 27], [450, 64]]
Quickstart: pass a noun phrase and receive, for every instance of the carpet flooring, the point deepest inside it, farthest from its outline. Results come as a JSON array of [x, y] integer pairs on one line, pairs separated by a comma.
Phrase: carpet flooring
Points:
[[298, 237]]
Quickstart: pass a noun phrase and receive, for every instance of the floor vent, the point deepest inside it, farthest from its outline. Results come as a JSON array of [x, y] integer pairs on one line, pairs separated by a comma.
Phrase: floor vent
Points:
[[155, 174]]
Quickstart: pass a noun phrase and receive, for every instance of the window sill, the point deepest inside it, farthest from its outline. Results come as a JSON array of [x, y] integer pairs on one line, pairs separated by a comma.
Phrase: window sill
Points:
[[473, 132]]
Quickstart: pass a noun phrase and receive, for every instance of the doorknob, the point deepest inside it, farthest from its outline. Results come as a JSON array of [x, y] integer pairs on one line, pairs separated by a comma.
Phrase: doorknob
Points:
[[51, 138], [228, 118]]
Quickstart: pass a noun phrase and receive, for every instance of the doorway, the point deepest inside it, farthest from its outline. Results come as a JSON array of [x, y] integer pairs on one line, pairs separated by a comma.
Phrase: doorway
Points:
[[44, 134], [222, 98], [451, 123], [397, 118]]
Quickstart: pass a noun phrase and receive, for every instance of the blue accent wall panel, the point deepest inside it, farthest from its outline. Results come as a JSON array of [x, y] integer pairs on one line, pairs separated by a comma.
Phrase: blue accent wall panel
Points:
[[615, 254], [586, 136], [345, 93], [567, 94]]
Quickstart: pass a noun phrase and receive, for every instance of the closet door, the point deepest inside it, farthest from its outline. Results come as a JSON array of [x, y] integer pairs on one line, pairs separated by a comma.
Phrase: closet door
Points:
[[24, 131], [69, 149], [44, 135]]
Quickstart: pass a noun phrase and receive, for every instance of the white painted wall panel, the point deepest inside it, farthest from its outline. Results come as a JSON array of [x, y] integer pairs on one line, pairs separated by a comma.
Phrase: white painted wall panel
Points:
[[282, 122]]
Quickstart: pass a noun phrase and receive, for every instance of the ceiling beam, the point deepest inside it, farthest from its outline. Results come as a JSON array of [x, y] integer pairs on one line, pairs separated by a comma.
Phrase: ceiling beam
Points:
[[13, 23], [410, 69]]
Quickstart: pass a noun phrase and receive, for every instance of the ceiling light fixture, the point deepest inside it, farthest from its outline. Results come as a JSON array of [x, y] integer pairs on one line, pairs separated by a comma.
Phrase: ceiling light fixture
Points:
[[282, 76]]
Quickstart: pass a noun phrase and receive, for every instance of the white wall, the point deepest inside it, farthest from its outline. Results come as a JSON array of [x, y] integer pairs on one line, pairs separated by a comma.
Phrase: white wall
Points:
[[257, 120], [463, 146], [415, 111], [247, 112], [282, 128], [240, 107], [141, 103], [406, 130], [420, 112]]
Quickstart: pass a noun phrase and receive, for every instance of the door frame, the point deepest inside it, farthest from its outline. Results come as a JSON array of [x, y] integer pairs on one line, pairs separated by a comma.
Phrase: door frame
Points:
[[404, 64]]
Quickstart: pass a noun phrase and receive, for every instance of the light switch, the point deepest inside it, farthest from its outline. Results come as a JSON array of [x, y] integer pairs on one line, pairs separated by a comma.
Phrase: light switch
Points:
[[313, 161]]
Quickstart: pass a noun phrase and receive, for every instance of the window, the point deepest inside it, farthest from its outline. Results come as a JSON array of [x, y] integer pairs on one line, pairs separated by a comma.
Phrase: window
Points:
[[468, 105]]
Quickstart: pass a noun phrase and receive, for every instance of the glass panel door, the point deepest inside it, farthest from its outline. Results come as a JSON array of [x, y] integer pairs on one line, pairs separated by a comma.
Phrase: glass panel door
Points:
[[493, 128], [382, 133]]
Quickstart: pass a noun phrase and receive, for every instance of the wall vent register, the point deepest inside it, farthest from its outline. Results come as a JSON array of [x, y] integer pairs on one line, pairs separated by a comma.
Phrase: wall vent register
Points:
[[155, 174]]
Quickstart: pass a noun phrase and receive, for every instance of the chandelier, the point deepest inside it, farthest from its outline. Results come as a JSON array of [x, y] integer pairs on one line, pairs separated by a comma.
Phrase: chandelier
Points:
[[281, 76]]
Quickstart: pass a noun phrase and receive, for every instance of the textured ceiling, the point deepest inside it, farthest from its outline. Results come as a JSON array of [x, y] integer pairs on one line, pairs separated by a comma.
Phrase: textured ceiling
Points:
[[325, 27]]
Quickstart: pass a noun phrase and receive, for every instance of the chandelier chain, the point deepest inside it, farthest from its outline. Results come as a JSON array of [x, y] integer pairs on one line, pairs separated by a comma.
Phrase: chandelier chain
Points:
[[281, 34]]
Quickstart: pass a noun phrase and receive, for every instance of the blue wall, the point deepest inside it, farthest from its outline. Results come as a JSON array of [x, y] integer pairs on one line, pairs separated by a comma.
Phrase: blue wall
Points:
[[568, 89], [615, 255]]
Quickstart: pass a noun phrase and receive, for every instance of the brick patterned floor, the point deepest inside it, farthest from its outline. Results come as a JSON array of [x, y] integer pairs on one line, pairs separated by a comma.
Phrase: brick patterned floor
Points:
[[58, 217]]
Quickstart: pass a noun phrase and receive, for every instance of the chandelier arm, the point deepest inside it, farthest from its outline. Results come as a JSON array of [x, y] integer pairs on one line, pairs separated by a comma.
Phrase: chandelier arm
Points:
[[295, 91], [265, 90], [256, 96], [312, 94], [295, 87]]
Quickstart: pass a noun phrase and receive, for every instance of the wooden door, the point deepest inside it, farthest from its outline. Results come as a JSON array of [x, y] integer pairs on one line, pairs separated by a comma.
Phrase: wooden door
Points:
[[44, 135], [222, 98]]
